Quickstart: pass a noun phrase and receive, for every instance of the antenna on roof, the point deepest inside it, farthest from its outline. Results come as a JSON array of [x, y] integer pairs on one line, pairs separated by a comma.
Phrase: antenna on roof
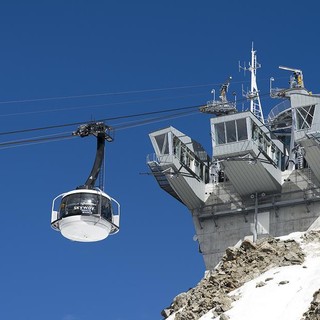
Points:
[[253, 94]]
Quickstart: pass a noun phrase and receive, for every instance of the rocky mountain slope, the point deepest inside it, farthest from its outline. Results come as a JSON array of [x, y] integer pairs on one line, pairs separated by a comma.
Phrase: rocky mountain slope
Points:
[[217, 292]]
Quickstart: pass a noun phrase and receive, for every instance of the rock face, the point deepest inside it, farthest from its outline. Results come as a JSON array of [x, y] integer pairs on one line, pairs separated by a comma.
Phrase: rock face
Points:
[[314, 310], [237, 266]]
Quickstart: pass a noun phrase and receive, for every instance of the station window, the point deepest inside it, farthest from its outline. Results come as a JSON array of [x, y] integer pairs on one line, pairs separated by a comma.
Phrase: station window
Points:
[[162, 142], [220, 133], [242, 129], [304, 117], [231, 131]]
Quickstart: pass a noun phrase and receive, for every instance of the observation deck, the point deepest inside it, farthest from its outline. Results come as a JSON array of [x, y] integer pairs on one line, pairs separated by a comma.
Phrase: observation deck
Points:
[[248, 155], [180, 165]]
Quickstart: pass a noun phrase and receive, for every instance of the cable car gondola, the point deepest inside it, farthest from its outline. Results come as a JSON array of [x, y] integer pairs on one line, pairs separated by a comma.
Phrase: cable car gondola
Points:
[[87, 214]]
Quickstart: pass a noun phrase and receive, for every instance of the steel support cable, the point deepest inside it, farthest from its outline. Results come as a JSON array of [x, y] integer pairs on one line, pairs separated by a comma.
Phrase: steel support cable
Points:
[[130, 125], [56, 137], [107, 94], [118, 127], [8, 144], [123, 92], [101, 120], [108, 119], [96, 105], [127, 125]]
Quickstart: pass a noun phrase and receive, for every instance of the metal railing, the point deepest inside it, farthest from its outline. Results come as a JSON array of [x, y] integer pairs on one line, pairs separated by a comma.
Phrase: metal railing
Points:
[[265, 202], [278, 109]]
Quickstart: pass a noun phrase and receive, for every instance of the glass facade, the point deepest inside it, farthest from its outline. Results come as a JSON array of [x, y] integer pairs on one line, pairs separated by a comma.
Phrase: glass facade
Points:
[[162, 142], [220, 133], [231, 131], [237, 130], [304, 117], [86, 204], [242, 129], [190, 154], [190, 160], [266, 145]]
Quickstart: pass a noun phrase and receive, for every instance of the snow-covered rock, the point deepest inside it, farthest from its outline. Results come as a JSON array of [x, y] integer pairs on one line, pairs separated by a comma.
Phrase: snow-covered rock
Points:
[[271, 279]]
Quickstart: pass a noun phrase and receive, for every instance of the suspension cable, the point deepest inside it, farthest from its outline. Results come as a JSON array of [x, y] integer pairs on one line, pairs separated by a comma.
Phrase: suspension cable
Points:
[[182, 111]]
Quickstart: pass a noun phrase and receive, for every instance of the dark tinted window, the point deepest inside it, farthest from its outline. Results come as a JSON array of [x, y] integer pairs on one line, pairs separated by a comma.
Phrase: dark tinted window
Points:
[[220, 133], [231, 131], [242, 129], [85, 204]]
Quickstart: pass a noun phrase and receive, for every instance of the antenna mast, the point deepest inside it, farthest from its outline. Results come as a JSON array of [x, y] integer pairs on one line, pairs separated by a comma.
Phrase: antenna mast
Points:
[[253, 94]]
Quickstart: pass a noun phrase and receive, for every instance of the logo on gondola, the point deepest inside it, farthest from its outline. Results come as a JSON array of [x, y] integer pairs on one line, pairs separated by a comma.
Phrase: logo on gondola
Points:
[[84, 209]]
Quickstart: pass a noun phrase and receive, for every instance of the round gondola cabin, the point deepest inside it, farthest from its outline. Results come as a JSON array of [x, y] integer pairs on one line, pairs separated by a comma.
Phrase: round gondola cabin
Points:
[[87, 214]]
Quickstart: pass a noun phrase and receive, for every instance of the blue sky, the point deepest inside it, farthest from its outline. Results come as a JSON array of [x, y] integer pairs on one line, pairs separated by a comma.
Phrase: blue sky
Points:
[[52, 49]]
